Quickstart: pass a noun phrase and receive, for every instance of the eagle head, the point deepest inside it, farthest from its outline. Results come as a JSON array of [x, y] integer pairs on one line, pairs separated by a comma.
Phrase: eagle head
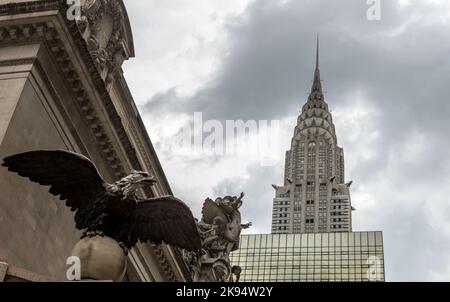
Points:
[[130, 184]]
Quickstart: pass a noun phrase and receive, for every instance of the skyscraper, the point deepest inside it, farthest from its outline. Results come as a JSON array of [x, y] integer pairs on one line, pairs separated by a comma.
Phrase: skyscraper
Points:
[[314, 197], [316, 200]]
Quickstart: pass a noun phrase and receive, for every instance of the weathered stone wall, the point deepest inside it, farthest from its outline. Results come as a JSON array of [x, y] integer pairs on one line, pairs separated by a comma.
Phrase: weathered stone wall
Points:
[[37, 230]]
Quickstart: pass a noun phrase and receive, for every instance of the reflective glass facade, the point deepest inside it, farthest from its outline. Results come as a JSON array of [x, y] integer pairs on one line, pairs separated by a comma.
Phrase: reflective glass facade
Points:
[[319, 257]]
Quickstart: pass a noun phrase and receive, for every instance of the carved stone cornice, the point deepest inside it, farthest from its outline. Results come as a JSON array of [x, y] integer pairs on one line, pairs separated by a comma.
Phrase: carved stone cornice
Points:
[[46, 32], [159, 253], [35, 32], [35, 6], [15, 62]]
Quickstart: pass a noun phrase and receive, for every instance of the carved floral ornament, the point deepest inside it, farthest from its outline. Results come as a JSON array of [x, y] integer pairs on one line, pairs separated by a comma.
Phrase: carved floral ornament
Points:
[[102, 26]]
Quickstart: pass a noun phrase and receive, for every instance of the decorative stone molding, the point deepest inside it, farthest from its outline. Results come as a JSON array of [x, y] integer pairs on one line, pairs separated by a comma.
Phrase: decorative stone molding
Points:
[[159, 253], [102, 26], [36, 6], [45, 32], [23, 61]]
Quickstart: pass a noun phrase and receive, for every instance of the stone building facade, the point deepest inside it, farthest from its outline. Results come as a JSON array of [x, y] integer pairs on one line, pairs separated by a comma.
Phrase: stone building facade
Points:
[[62, 87]]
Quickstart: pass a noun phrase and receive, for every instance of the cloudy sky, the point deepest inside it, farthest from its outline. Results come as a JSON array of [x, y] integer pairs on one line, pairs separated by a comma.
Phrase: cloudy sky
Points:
[[387, 83]]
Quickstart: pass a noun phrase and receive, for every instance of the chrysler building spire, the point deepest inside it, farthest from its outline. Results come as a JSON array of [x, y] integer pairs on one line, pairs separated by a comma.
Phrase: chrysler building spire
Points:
[[317, 53], [317, 85]]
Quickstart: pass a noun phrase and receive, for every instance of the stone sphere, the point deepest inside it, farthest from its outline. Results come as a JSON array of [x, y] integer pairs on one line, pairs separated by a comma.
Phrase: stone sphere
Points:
[[101, 259]]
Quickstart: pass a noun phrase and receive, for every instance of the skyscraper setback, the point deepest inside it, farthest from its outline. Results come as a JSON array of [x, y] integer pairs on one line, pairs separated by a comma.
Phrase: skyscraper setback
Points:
[[314, 197]]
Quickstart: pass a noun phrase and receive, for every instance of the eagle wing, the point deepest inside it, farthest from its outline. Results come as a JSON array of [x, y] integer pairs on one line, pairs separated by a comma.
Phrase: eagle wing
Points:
[[71, 176], [164, 219]]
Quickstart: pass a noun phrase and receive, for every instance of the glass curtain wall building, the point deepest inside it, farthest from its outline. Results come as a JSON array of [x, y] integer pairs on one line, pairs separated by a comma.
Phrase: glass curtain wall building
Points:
[[319, 257]]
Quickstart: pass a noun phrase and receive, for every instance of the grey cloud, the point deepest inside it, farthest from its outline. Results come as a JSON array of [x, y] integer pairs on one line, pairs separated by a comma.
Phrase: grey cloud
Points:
[[270, 66], [165, 101]]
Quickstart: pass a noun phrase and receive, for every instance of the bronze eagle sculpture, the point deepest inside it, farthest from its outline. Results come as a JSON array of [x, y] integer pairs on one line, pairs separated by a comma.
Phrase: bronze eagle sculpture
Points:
[[104, 209]]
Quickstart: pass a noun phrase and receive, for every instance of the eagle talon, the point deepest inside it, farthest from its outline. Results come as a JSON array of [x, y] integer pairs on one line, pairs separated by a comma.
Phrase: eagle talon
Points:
[[87, 234], [91, 234]]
